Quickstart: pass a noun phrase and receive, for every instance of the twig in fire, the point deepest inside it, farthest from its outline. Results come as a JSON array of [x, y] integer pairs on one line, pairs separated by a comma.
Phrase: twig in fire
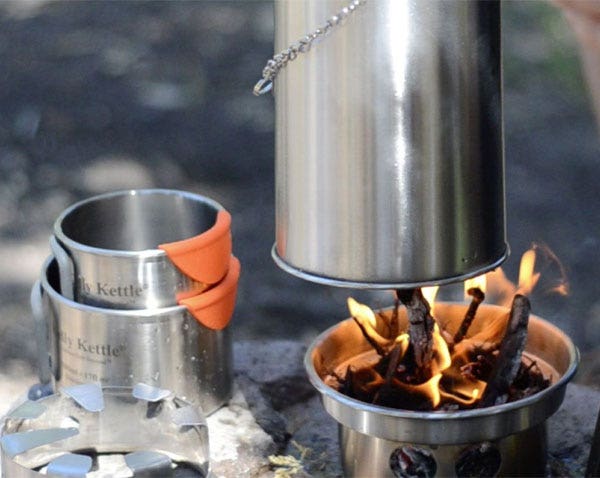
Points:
[[372, 341], [509, 357], [394, 361], [395, 380], [420, 328], [478, 298]]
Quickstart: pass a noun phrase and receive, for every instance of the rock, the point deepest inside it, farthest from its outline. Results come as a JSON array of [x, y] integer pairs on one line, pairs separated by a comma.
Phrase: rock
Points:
[[570, 431], [239, 447], [272, 377]]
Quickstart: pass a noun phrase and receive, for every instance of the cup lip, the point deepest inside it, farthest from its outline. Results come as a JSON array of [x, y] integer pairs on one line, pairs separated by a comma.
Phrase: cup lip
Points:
[[218, 293], [137, 313], [142, 254]]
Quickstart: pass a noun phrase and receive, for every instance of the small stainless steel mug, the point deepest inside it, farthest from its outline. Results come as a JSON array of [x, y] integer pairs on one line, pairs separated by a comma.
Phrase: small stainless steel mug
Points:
[[166, 348], [141, 249]]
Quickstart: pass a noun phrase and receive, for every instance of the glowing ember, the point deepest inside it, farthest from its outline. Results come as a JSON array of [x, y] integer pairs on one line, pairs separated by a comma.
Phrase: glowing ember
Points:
[[469, 365]]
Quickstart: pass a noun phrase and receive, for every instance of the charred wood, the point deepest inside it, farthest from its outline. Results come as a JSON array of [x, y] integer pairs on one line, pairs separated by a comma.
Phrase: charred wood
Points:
[[477, 298], [372, 341], [392, 366], [420, 328], [509, 357]]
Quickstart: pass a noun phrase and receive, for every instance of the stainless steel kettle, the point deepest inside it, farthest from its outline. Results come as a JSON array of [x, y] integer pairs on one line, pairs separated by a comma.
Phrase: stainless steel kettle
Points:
[[389, 143]]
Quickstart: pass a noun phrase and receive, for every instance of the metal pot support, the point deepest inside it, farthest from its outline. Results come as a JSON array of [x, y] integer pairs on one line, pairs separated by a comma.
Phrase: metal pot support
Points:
[[90, 431]]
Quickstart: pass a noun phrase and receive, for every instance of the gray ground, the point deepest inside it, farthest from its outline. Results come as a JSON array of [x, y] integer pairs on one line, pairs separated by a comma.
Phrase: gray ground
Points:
[[98, 96]]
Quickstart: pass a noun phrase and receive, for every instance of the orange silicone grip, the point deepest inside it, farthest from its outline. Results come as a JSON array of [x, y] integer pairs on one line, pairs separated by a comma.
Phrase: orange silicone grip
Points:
[[214, 308], [205, 257]]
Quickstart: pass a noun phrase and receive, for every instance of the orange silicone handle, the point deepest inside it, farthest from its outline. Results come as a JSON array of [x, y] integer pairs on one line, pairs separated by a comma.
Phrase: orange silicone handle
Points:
[[205, 257], [214, 308]]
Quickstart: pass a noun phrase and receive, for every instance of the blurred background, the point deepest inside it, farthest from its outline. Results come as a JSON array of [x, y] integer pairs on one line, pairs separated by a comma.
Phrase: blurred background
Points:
[[101, 96]]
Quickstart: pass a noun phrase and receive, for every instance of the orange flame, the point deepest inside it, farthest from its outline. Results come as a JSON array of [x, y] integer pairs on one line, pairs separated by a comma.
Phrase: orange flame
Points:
[[528, 278], [429, 293], [361, 312], [431, 389], [366, 317], [479, 282], [539, 262], [449, 382]]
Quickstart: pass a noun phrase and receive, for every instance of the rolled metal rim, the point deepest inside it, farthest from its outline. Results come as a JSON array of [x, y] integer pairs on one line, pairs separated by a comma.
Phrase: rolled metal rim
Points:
[[143, 254], [338, 282], [90, 309], [443, 428]]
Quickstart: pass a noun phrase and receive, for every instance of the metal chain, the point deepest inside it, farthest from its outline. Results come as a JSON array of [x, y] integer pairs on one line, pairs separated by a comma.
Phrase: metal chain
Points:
[[279, 61]]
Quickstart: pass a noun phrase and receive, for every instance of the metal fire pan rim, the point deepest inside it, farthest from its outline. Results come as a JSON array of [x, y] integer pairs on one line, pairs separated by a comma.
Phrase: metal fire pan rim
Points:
[[444, 428], [351, 284], [143, 254]]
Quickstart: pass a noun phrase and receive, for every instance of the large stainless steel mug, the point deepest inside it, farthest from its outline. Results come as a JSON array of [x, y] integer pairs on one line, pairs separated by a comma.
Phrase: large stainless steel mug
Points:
[[389, 144], [141, 249], [167, 347]]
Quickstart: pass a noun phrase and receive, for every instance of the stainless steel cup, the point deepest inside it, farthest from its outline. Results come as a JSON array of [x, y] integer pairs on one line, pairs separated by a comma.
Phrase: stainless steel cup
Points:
[[166, 348], [142, 248], [389, 149]]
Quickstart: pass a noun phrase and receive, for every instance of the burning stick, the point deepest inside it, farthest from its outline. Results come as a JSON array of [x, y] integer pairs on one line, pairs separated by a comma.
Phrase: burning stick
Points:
[[509, 358], [394, 359], [372, 341], [478, 297], [420, 330]]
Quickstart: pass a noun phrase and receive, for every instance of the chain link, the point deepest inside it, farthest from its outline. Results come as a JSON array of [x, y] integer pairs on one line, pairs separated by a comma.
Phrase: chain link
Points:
[[280, 60]]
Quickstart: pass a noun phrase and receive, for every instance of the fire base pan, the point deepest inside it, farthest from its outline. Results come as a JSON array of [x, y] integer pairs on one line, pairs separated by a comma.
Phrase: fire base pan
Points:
[[504, 440], [520, 454]]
